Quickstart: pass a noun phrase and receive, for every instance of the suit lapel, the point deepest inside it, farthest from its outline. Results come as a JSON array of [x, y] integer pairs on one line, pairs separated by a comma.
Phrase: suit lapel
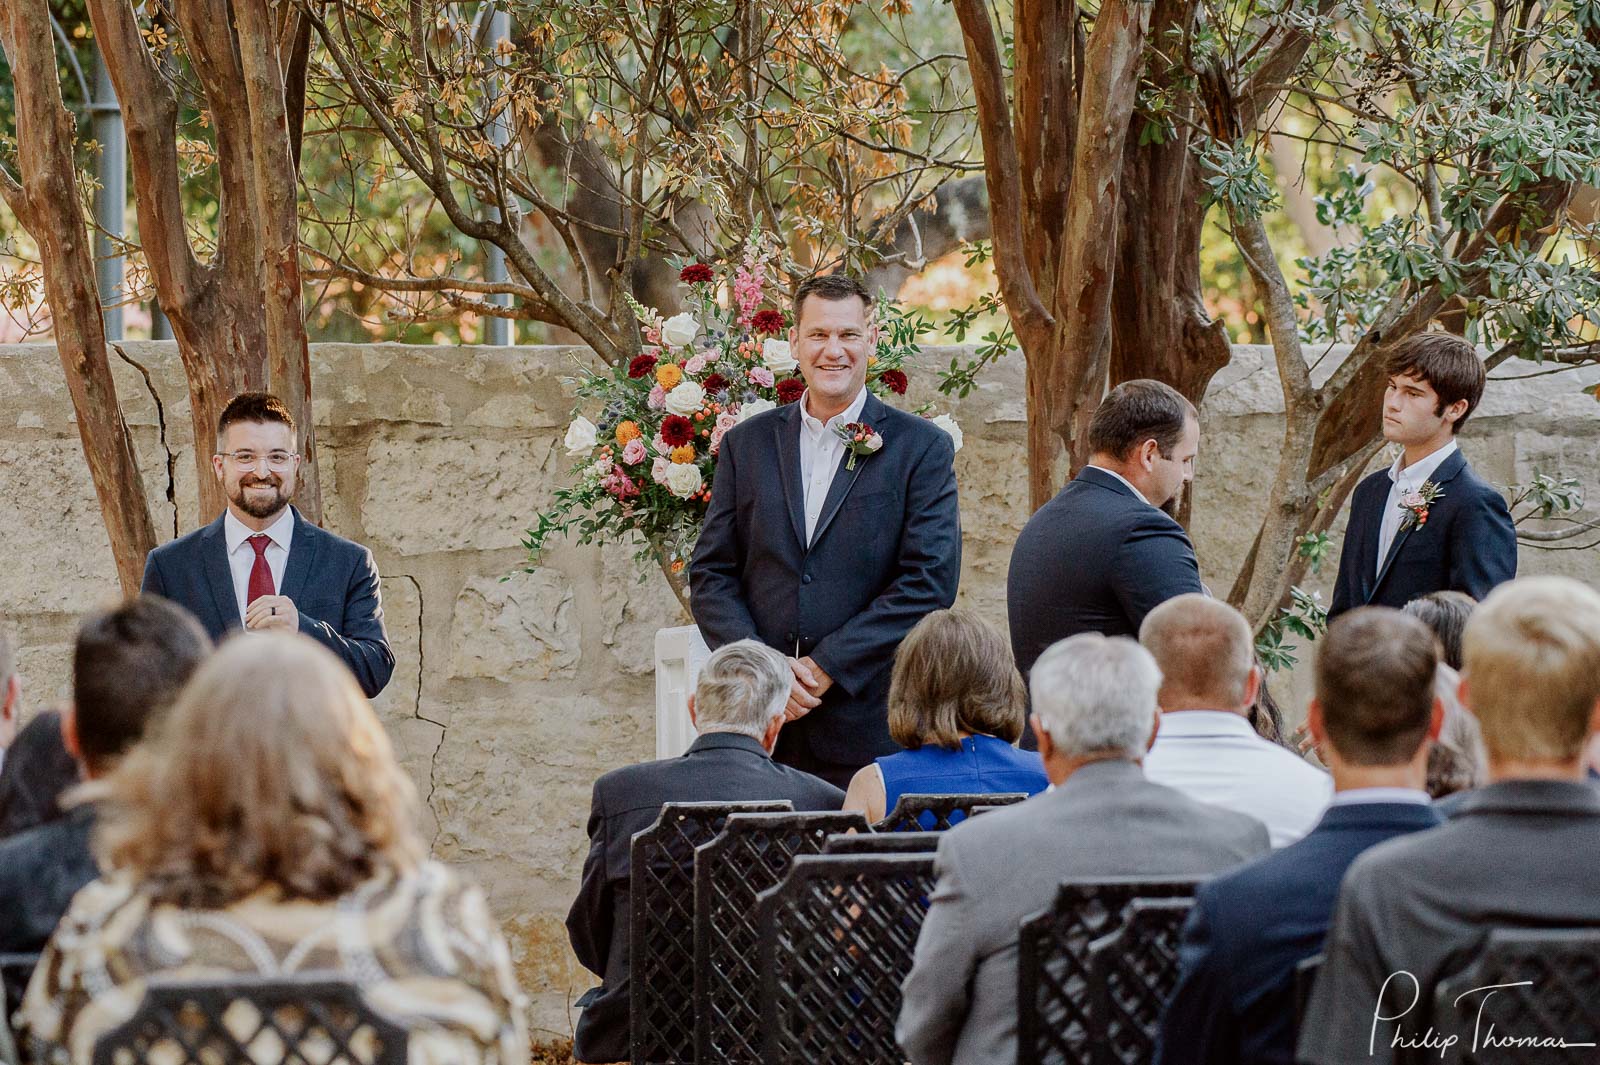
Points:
[[214, 564], [302, 556], [786, 431], [1442, 476], [843, 479]]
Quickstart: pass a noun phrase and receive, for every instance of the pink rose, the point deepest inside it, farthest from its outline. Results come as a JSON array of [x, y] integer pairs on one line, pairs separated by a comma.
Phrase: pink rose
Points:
[[658, 397], [659, 468], [725, 421], [695, 365], [762, 376], [1413, 500], [634, 453]]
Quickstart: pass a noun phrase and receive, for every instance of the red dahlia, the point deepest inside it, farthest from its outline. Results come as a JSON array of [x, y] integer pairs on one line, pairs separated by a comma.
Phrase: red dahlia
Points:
[[714, 384], [677, 430], [641, 365], [767, 322], [790, 389], [895, 380], [695, 272]]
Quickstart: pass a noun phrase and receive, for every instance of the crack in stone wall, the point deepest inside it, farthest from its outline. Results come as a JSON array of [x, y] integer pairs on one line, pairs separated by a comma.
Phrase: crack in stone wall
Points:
[[161, 430], [416, 707]]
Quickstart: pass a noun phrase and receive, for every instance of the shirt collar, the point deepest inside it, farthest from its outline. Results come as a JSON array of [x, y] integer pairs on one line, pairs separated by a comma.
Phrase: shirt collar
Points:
[[1199, 724], [237, 532], [1113, 473], [1359, 796], [1413, 475], [850, 414]]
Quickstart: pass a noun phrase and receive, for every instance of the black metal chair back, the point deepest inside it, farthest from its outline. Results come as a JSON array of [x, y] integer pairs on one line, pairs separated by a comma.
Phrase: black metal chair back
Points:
[[935, 813], [251, 1022], [661, 926], [837, 935], [751, 854], [15, 971], [883, 843], [1054, 980], [1132, 972], [1545, 999]]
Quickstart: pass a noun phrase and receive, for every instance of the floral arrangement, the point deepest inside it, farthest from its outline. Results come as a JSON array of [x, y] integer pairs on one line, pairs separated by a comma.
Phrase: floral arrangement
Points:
[[1416, 504], [644, 465]]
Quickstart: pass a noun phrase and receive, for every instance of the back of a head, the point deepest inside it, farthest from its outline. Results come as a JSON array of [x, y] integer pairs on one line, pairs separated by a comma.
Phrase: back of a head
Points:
[[38, 769], [954, 673], [1204, 650], [741, 688], [1531, 662], [1096, 695], [1374, 677], [1446, 613], [1136, 411], [127, 668], [271, 769]]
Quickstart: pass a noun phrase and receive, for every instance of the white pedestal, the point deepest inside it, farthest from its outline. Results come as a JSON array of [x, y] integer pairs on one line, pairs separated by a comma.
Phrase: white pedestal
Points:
[[680, 652]]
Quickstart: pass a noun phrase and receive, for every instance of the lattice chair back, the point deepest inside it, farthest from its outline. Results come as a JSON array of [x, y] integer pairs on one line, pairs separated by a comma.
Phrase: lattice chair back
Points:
[[15, 971], [293, 1021], [661, 926], [1546, 992], [1305, 982], [935, 813], [884, 843], [1132, 972], [837, 935], [1054, 983], [751, 854]]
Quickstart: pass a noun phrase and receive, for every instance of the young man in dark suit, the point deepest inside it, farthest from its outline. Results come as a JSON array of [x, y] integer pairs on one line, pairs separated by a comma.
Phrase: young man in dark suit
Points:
[[262, 566], [826, 556], [738, 707], [1104, 552], [1428, 523], [1373, 717]]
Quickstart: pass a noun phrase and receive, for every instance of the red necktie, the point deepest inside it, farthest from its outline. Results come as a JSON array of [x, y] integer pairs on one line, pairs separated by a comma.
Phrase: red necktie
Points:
[[260, 573]]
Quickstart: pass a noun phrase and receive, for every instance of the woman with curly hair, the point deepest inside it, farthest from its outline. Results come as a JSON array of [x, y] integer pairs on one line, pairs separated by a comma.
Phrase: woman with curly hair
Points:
[[265, 831]]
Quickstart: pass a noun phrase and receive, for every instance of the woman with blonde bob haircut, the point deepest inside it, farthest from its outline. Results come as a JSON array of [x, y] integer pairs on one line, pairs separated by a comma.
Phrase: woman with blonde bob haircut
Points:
[[957, 705], [267, 830]]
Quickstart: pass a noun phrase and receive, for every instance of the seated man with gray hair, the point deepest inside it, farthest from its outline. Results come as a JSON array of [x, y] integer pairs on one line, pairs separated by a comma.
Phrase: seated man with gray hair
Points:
[[1094, 702], [737, 706]]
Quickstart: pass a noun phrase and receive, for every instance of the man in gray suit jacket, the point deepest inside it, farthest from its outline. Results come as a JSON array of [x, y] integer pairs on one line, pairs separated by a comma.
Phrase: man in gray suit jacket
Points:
[[1522, 852], [1094, 701]]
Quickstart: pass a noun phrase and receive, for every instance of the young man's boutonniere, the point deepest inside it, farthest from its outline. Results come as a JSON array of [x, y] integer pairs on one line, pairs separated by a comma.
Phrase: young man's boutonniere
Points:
[[1417, 503], [859, 439]]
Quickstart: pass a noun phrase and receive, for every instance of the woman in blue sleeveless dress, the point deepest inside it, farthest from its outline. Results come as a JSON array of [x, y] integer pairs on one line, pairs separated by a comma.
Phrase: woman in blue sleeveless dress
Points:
[[956, 704]]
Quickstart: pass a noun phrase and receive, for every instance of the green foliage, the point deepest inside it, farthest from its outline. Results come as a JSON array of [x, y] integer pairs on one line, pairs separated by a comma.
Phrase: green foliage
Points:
[[1547, 497], [1304, 618]]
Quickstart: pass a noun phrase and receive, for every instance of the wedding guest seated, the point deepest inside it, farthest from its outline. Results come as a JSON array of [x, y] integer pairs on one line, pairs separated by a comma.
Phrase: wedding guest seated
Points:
[[737, 707], [957, 706], [1372, 715], [1207, 747], [1094, 701], [1456, 762], [266, 831], [36, 772], [1523, 851], [128, 666]]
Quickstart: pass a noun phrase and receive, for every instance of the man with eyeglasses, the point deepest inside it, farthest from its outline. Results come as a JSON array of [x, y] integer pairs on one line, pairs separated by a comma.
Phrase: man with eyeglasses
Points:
[[261, 565]]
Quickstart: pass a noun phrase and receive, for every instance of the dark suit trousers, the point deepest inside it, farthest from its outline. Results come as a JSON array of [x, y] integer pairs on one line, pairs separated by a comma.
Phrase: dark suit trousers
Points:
[[795, 752]]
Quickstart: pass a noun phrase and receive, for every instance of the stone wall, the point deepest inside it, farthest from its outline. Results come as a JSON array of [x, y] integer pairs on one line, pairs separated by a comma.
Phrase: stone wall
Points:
[[511, 695]]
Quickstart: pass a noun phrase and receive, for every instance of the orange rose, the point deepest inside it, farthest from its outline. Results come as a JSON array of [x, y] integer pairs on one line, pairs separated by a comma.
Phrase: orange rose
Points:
[[684, 454], [627, 431], [668, 374]]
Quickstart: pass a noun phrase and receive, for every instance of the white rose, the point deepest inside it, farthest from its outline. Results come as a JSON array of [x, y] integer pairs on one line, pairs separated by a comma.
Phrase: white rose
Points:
[[775, 355], [680, 330], [601, 468], [948, 424], [754, 407], [874, 442], [687, 398], [683, 479], [581, 435]]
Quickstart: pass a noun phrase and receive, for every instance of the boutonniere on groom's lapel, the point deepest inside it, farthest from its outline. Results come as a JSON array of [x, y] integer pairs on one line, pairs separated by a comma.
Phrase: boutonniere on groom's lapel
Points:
[[859, 439], [1417, 503]]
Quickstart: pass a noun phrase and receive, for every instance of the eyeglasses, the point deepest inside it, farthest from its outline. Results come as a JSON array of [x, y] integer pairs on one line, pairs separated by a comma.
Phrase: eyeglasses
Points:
[[248, 460]]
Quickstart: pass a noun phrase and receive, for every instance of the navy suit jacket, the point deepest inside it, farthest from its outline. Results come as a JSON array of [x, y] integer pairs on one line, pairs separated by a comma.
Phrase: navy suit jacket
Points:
[[332, 582], [1234, 1002], [1096, 558], [1468, 544], [886, 552]]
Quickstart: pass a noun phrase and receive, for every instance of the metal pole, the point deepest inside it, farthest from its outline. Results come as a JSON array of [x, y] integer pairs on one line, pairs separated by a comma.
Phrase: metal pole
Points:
[[498, 330], [111, 198]]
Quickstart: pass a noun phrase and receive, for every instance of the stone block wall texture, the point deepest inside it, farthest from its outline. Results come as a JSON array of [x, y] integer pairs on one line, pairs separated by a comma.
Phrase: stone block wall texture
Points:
[[511, 695]]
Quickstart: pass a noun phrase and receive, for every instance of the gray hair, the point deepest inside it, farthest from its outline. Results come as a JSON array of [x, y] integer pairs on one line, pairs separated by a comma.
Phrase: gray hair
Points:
[[1096, 695], [742, 687]]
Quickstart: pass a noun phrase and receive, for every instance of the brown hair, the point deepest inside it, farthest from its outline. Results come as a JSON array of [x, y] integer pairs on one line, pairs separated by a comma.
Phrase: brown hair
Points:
[[1374, 677], [1448, 364], [253, 407], [1446, 613], [270, 770], [954, 673], [1136, 411], [830, 287]]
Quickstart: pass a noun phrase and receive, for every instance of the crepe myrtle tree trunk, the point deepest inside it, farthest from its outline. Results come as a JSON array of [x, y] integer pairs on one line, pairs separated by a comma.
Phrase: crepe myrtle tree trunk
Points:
[[47, 201]]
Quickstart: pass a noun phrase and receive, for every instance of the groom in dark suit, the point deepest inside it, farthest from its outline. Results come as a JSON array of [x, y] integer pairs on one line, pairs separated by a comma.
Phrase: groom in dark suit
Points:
[[261, 565], [829, 559], [1428, 523]]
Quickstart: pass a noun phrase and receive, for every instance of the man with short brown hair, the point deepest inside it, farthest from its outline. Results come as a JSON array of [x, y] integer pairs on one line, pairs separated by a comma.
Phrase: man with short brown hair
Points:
[[1428, 523]]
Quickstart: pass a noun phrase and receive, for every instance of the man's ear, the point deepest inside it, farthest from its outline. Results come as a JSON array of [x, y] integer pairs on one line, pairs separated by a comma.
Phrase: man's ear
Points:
[[1315, 725], [11, 698], [1252, 685], [769, 739], [692, 719], [69, 730], [1047, 746], [1147, 454], [1436, 720], [1455, 411]]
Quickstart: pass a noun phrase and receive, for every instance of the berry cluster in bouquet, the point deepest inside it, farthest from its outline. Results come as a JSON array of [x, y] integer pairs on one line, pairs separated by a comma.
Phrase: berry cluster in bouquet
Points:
[[646, 462]]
